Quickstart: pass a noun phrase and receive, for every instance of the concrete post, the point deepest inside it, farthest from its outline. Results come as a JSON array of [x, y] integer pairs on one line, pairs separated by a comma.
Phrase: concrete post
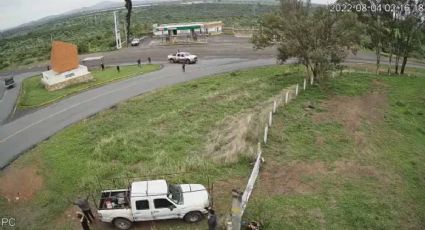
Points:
[[274, 106], [286, 97], [270, 119], [236, 209], [311, 80], [266, 130], [305, 83], [296, 90]]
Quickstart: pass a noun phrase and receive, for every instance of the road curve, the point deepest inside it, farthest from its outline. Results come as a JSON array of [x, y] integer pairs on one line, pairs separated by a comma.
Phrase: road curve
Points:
[[23, 133]]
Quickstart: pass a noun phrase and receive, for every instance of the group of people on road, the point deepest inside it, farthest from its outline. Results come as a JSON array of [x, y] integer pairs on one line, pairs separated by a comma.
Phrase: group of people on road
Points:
[[139, 63]]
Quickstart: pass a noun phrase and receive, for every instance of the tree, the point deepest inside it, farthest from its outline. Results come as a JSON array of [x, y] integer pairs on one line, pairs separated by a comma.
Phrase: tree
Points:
[[412, 30], [320, 39], [395, 26], [128, 6]]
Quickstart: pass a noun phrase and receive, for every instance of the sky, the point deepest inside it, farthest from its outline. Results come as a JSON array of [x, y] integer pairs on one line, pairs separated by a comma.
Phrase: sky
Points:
[[16, 12]]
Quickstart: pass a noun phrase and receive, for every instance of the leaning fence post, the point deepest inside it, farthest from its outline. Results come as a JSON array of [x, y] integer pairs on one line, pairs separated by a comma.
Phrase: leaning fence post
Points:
[[266, 130], [305, 83], [286, 97], [270, 119], [296, 90], [274, 106]]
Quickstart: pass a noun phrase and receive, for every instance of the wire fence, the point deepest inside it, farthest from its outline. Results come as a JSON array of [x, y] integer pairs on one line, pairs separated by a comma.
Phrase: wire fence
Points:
[[240, 199]]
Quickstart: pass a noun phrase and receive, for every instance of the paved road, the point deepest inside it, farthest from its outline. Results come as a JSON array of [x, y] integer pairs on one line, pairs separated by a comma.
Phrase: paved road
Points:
[[21, 134], [8, 97]]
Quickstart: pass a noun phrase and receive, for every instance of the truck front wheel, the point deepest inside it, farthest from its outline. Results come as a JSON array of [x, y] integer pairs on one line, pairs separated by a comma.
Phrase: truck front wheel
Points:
[[122, 223], [193, 217]]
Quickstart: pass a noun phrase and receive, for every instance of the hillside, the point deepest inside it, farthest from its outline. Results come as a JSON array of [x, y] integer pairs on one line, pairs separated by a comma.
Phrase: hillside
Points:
[[94, 32]]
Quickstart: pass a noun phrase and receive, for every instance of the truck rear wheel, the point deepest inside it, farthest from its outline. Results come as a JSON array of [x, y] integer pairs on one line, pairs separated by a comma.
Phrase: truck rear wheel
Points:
[[193, 217], [122, 223]]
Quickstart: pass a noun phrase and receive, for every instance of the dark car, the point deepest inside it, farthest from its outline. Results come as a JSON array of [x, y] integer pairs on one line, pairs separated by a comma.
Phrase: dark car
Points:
[[9, 82]]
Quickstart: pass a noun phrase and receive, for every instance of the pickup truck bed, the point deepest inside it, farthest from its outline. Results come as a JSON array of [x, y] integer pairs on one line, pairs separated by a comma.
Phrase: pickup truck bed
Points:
[[115, 199]]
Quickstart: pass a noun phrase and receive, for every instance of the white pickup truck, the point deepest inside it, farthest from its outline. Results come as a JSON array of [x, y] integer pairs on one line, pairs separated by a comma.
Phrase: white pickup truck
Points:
[[153, 200], [182, 57]]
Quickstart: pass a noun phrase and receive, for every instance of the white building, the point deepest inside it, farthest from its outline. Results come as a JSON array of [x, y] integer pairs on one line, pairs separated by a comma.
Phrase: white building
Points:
[[191, 28]]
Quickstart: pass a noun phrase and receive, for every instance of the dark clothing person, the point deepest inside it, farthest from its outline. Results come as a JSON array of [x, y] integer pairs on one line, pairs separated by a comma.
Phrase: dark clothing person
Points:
[[149, 60], [184, 67], [102, 66], [84, 205], [118, 68], [48, 67], [138, 62], [84, 222], [89, 215], [212, 220]]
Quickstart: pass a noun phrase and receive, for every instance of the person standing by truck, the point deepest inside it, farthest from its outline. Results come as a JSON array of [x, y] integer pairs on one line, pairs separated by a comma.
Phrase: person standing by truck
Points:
[[83, 220], [212, 220], [184, 67], [84, 205]]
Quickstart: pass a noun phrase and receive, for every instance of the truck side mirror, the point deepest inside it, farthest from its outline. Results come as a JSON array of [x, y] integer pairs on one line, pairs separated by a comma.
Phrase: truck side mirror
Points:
[[172, 207]]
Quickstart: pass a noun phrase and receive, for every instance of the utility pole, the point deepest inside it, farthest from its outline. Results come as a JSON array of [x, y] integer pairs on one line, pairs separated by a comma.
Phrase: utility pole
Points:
[[117, 31]]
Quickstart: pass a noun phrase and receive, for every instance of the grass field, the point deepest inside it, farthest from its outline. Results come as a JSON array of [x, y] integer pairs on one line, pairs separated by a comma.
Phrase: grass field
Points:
[[354, 161], [160, 132], [34, 94], [348, 154]]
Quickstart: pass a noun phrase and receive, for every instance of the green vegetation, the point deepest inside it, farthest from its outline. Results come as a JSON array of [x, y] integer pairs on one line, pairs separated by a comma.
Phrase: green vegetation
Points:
[[94, 33], [34, 94], [160, 132], [346, 155]]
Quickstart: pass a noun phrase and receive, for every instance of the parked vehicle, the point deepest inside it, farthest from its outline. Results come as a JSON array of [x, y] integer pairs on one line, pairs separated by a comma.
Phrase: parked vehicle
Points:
[[182, 57], [9, 82], [135, 42], [153, 200]]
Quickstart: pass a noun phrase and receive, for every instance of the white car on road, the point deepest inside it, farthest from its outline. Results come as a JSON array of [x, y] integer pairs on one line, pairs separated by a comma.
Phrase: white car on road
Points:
[[135, 42], [153, 200], [182, 57]]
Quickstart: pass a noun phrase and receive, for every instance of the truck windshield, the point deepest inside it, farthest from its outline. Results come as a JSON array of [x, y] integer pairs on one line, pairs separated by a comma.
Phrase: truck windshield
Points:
[[175, 193]]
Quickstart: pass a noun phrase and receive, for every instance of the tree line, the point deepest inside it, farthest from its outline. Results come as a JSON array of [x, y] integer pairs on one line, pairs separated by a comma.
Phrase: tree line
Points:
[[321, 38]]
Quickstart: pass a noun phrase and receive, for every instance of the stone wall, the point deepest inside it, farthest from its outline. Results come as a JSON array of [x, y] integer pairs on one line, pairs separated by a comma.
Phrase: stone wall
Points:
[[72, 81]]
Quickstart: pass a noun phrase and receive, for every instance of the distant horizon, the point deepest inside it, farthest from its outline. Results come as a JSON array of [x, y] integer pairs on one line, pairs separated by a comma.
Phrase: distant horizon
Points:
[[26, 10]]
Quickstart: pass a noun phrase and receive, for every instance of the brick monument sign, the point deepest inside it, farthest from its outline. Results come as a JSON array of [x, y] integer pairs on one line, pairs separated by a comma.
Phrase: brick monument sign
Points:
[[66, 69]]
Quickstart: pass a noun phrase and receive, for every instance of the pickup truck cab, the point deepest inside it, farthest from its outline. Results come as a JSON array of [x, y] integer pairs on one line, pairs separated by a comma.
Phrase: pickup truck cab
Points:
[[9, 82], [182, 57], [153, 200], [135, 42]]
